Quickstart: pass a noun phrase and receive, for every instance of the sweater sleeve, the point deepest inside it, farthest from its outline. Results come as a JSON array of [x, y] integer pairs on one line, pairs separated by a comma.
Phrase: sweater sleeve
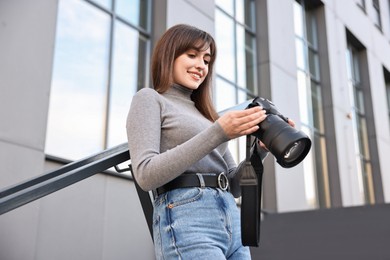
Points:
[[230, 163], [153, 169]]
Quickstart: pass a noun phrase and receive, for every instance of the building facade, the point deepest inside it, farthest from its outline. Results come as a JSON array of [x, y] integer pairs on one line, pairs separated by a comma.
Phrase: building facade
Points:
[[68, 70]]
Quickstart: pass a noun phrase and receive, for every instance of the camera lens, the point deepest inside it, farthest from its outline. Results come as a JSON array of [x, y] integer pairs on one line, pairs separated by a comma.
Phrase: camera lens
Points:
[[294, 151], [289, 145]]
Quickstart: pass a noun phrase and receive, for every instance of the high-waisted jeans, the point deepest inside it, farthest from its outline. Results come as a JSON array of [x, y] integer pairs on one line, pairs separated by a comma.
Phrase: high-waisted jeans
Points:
[[196, 223]]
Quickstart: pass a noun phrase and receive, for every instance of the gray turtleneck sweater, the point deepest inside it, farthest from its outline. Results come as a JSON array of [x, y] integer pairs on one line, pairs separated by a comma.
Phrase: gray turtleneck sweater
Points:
[[168, 136]]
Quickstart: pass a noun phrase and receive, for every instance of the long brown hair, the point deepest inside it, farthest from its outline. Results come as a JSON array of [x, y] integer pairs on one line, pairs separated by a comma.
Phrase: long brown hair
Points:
[[173, 43]]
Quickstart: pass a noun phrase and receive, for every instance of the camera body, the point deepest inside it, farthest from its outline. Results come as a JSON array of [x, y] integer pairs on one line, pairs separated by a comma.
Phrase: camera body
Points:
[[268, 106], [289, 145]]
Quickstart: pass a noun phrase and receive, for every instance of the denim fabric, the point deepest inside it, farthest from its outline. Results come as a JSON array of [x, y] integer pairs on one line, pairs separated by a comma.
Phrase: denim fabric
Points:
[[196, 223]]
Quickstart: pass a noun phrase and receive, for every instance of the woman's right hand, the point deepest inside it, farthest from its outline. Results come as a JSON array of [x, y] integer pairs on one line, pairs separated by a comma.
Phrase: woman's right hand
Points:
[[242, 122]]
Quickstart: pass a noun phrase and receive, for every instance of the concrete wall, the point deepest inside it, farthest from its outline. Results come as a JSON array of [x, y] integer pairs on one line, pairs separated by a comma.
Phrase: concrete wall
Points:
[[27, 31], [199, 13], [98, 218]]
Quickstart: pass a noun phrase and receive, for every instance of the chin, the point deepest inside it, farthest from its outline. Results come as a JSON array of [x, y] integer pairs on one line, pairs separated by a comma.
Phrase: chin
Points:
[[192, 86]]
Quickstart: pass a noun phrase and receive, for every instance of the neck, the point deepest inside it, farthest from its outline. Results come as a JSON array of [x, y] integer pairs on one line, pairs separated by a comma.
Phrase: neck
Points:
[[179, 90]]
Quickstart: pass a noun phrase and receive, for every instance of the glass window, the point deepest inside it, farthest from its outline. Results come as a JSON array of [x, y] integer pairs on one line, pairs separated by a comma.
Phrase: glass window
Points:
[[304, 99], [104, 3], [322, 197], [298, 20], [96, 71], [128, 76], [226, 52], [300, 54], [77, 99], [133, 11], [245, 13], [226, 5], [236, 67], [229, 94], [318, 114], [236, 42], [246, 63], [377, 14], [311, 29], [360, 125], [310, 105], [314, 64]]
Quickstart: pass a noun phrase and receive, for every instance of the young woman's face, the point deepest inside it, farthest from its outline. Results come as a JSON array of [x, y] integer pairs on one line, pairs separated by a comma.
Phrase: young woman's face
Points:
[[191, 68]]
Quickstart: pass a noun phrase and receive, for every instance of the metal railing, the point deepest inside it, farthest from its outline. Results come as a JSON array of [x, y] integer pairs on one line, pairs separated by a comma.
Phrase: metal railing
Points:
[[40, 186]]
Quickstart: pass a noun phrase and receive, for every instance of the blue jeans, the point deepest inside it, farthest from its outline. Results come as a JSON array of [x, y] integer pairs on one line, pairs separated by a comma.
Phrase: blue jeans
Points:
[[196, 223]]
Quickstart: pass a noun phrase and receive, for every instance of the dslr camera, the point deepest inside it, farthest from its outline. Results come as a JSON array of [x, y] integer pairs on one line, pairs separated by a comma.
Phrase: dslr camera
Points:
[[289, 145]]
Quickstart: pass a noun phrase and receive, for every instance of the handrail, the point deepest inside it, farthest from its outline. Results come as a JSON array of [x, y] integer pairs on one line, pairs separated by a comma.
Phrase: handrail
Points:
[[40, 186], [30, 190]]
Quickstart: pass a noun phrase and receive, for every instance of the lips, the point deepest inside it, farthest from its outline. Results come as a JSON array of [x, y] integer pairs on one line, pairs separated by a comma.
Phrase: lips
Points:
[[195, 75]]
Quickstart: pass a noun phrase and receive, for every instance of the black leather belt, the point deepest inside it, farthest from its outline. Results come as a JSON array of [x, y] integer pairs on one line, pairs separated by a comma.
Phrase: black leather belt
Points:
[[201, 180]]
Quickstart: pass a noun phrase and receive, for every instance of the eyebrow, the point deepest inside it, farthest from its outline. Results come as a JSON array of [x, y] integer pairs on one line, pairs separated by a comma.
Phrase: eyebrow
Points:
[[199, 50]]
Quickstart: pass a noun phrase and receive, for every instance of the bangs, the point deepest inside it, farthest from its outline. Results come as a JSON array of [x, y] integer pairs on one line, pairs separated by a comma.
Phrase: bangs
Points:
[[202, 45], [197, 40]]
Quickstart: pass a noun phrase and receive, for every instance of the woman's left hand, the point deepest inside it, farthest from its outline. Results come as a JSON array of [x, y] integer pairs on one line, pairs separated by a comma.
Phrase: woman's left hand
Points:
[[291, 122]]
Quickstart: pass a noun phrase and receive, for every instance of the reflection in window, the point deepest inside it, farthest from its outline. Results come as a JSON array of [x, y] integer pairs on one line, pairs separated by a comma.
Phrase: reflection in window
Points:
[[96, 71], [359, 123], [133, 11], [311, 107], [226, 50], [235, 36], [77, 101], [127, 77], [245, 13], [229, 94], [236, 63]]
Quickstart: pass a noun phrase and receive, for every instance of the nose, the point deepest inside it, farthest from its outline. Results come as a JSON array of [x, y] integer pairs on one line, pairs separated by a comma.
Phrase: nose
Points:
[[200, 65]]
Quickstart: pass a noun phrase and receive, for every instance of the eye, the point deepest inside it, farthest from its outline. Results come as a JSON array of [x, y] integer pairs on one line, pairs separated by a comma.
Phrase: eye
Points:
[[191, 55], [206, 62]]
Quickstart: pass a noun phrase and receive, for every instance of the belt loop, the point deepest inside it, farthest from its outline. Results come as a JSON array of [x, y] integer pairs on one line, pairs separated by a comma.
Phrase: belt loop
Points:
[[201, 180]]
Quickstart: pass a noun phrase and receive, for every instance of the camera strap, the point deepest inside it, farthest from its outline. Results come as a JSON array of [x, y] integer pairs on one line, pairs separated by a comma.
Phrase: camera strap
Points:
[[251, 183]]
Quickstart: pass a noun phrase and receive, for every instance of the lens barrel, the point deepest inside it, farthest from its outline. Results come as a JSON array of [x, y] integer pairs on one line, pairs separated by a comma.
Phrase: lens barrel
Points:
[[289, 145]]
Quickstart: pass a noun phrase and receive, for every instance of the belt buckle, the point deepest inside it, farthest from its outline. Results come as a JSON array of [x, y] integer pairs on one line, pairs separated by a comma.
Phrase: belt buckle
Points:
[[223, 181]]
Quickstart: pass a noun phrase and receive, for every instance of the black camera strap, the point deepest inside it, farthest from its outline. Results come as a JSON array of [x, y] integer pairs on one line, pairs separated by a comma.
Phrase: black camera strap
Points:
[[251, 183]]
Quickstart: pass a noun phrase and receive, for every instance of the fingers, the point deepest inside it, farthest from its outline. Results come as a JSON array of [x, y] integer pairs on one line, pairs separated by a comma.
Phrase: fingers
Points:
[[291, 122], [262, 145], [243, 122]]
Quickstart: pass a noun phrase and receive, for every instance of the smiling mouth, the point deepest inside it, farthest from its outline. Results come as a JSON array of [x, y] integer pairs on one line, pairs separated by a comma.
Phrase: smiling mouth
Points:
[[195, 75]]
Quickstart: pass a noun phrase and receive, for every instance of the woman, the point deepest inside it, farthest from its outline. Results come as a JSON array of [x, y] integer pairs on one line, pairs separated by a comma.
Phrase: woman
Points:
[[178, 148]]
